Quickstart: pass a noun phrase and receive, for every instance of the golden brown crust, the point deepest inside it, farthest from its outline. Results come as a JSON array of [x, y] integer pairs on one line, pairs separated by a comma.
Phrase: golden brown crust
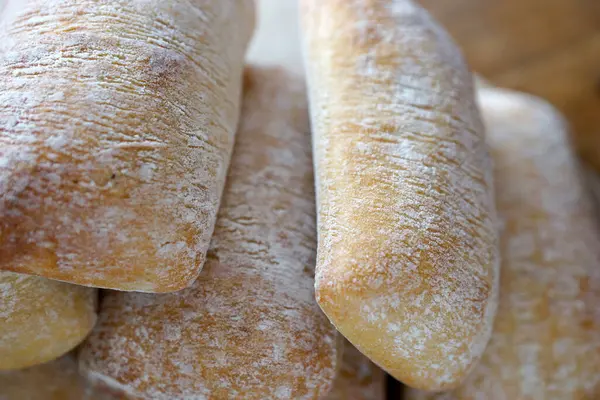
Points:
[[546, 340], [407, 260], [41, 319], [116, 129], [56, 380], [249, 327]]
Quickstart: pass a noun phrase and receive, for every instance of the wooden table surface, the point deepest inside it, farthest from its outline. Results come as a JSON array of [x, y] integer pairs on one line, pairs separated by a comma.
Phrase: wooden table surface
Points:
[[550, 48]]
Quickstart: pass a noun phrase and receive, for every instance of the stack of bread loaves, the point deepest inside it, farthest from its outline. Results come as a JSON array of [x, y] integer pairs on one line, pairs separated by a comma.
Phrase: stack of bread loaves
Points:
[[144, 153]]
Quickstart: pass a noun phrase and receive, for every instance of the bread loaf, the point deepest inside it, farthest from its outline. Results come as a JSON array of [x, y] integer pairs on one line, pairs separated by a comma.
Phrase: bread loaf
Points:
[[40, 319], [249, 328], [407, 264], [546, 340], [117, 121]]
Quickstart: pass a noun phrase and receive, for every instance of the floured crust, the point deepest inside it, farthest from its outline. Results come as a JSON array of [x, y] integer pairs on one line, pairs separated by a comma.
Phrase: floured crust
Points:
[[41, 319], [249, 327], [358, 378], [546, 340], [116, 129], [56, 380], [407, 265]]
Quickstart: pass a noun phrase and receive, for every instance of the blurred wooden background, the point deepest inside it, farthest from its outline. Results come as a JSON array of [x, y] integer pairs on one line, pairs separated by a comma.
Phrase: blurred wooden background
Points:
[[550, 48]]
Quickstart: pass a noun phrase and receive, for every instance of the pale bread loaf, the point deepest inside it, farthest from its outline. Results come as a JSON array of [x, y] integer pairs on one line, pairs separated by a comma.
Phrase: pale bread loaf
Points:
[[41, 319], [546, 340], [407, 266], [117, 121], [249, 328]]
